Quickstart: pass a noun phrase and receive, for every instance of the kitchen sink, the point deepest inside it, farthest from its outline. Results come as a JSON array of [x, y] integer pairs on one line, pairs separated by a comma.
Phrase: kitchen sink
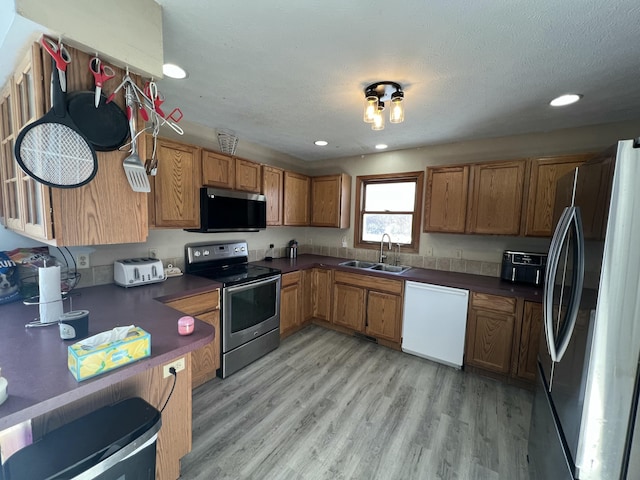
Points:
[[383, 267], [357, 264], [379, 267]]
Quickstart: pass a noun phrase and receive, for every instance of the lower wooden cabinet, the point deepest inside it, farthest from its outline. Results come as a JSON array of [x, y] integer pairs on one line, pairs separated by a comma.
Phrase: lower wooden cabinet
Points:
[[321, 282], [206, 307], [503, 335], [290, 302], [368, 304]]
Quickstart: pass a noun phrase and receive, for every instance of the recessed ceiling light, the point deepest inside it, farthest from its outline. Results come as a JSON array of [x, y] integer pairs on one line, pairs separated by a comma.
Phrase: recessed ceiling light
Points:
[[173, 71], [321, 143], [381, 146], [563, 100]]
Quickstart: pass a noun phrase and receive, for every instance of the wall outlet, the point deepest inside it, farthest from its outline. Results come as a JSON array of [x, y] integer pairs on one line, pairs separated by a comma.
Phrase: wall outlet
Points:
[[178, 365], [429, 252], [459, 253], [344, 242], [153, 253], [82, 260]]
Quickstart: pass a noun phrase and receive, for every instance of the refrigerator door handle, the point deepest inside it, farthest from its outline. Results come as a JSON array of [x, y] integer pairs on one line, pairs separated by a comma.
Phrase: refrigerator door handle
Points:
[[557, 343]]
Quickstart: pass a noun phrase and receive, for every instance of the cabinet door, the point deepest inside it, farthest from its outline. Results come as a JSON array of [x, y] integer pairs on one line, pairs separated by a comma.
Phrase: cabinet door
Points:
[[348, 306], [218, 169], [445, 208], [176, 185], [307, 295], [272, 189], [296, 199], [541, 198], [248, 176], [290, 302], [530, 341], [384, 314], [490, 331], [321, 288], [495, 198], [330, 201], [206, 360]]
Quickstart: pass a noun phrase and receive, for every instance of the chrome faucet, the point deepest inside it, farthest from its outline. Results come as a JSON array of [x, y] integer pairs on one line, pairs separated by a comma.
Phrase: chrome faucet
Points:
[[397, 261], [382, 255]]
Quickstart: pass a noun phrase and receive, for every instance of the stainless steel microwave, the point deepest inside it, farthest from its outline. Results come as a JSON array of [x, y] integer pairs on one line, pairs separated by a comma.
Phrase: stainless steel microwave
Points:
[[231, 211]]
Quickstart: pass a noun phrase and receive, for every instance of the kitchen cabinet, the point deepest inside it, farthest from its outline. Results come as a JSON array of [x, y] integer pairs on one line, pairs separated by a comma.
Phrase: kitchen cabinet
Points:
[[331, 201], [290, 302], [105, 211], [27, 203], [272, 189], [206, 307], [495, 197], [368, 304], [445, 208], [491, 326], [321, 286], [529, 343], [218, 169], [176, 186], [296, 199], [248, 175], [307, 295], [541, 197]]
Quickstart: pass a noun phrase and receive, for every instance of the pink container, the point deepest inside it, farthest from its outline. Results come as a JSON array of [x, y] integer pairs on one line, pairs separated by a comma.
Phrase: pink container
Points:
[[185, 325]]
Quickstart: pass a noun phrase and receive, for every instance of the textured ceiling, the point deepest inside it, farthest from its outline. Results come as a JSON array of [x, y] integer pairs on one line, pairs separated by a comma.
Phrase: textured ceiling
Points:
[[283, 74]]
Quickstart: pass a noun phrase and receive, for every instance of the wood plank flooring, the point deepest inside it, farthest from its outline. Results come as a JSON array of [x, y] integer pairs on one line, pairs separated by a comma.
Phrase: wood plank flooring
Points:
[[331, 406]]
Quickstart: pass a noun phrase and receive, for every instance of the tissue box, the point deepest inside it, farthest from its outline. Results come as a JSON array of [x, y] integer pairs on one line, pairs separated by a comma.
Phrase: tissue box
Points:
[[86, 362]]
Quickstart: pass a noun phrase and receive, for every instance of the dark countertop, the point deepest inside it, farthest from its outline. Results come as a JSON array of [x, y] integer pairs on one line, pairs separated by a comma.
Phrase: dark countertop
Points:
[[476, 283], [34, 360]]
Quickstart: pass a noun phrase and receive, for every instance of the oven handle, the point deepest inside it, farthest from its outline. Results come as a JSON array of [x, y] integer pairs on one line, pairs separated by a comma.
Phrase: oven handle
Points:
[[256, 283]]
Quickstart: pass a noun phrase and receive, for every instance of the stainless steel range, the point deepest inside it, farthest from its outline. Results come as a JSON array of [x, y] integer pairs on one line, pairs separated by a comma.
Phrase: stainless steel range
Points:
[[250, 300]]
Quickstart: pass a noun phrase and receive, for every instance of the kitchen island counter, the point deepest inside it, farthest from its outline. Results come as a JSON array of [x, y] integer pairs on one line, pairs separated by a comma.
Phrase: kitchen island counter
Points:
[[476, 283], [34, 360]]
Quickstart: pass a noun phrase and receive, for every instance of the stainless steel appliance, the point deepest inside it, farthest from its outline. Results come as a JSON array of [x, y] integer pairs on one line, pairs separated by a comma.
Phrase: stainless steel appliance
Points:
[[523, 267], [132, 272], [250, 301], [231, 211], [584, 423]]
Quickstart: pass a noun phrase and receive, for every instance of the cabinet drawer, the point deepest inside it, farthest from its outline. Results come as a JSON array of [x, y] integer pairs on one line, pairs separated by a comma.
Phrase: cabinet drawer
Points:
[[291, 278], [197, 304], [493, 302], [369, 281]]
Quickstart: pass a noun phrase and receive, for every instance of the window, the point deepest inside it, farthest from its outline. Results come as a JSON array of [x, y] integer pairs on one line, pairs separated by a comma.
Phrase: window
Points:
[[392, 204]]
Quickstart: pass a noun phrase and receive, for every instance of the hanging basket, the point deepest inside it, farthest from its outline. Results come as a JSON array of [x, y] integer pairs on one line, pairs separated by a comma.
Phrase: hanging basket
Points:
[[228, 142]]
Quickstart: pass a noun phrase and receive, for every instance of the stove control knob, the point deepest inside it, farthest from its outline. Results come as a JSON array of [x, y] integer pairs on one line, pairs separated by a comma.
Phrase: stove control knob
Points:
[[242, 249], [205, 253], [196, 253]]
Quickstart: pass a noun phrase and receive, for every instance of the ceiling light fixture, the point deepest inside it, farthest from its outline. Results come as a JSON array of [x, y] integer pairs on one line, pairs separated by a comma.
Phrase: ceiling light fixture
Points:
[[173, 71], [563, 100], [321, 143], [375, 96], [381, 146]]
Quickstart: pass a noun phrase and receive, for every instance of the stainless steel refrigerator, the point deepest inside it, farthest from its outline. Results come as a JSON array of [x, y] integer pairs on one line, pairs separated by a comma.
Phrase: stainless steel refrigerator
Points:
[[583, 423]]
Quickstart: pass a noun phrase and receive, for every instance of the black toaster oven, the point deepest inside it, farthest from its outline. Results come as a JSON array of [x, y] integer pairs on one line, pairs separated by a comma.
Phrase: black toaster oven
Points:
[[523, 267]]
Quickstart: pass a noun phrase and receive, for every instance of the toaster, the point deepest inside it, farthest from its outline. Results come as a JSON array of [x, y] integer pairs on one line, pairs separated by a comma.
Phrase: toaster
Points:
[[523, 267], [132, 272]]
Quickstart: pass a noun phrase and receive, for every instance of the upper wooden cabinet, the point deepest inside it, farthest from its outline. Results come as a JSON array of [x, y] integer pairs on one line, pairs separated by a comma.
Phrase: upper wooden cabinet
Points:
[[248, 175], [273, 190], [445, 207], [541, 196], [296, 199], [218, 169], [495, 197], [176, 185], [331, 201]]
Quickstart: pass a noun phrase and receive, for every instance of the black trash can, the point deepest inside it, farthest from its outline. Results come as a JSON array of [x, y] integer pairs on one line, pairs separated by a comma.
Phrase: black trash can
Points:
[[116, 442]]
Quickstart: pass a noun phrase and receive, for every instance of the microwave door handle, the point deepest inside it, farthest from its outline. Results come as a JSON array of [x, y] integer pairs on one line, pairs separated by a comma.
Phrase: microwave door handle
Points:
[[550, 275], [576, 286]]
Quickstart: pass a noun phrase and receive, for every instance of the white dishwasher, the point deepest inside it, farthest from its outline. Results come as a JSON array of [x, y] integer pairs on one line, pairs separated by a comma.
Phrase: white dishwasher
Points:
[[434, 322]]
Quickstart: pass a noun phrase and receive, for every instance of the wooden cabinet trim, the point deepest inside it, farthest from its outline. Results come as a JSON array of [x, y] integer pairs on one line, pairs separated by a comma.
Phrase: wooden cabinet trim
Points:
[[370, 282], [493, 302]]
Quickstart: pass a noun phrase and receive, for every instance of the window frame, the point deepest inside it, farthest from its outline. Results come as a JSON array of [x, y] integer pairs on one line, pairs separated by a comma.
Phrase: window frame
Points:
[[416, 224]]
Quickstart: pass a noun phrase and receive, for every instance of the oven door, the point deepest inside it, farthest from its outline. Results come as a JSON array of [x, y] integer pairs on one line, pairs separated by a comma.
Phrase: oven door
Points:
[[249, 310]]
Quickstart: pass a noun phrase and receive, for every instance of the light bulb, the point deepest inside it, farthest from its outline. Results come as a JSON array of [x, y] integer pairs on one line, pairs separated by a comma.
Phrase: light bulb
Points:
[[378, 119], [396, 115], [370, 108]]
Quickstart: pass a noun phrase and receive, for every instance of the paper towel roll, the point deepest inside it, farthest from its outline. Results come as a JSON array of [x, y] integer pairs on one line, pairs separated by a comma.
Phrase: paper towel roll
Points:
[[50, 297]]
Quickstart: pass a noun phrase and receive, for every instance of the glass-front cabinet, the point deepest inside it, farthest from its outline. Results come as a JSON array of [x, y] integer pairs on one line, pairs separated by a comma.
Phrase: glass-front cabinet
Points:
[[26, 203]]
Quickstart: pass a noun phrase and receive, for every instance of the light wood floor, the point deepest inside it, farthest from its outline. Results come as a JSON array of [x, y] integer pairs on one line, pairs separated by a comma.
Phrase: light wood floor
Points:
[[330, 406]]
